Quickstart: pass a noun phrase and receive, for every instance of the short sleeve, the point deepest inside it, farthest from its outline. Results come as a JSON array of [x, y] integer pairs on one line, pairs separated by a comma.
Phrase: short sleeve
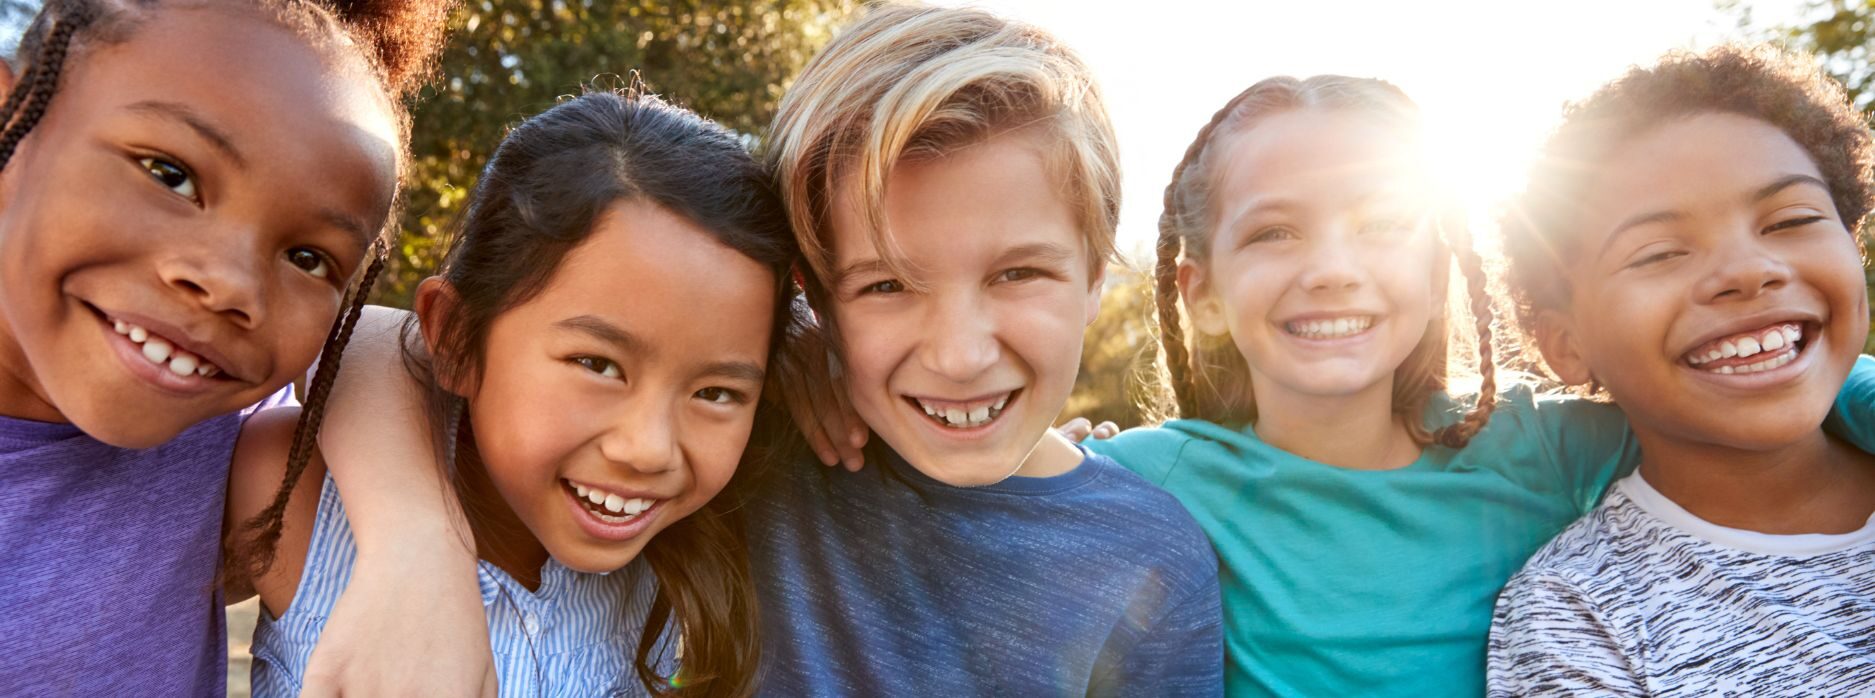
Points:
[[1549, 638]]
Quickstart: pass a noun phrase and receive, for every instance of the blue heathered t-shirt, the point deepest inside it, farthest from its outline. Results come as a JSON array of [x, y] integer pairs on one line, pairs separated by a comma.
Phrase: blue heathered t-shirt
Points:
[[109, 556], [885, 582]]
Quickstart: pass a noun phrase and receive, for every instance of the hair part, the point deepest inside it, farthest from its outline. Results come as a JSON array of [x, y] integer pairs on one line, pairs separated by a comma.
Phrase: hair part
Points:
[[1761, 82], [910, 82], [543, 193], [1208, 376]]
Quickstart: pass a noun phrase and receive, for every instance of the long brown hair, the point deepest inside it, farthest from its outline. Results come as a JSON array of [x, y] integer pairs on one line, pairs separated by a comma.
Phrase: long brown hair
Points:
[[541, 195], [1209, 377]]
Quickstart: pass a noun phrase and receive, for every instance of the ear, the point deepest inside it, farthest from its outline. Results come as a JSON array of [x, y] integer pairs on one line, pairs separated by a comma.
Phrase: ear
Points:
[[1095, 288], [1201, 303], [435, 302], [1556, 339]]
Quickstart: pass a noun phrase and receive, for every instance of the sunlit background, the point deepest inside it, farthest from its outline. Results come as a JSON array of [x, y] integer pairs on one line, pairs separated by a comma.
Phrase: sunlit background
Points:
[[1491, 76]]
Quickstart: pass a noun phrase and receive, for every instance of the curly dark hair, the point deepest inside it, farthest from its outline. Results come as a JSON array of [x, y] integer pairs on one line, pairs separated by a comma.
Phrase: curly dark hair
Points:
[[1761, 82]]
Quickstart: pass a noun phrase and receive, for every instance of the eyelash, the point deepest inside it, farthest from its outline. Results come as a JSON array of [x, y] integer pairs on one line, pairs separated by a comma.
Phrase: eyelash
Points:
[[600, 366], [728, 396], [1793, 223], [881, 287], [325, 261], [158, 168], [1269, 235]]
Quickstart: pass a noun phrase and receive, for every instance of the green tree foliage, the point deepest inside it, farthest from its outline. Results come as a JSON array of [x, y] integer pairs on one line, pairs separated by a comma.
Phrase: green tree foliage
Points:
[[508, 59], [1117, 356]]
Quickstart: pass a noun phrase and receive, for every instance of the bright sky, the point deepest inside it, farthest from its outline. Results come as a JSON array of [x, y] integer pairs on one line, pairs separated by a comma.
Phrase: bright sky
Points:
[[1491, 75]]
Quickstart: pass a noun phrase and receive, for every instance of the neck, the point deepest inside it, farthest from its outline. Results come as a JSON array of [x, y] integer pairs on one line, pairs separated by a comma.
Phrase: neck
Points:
[[1357, 431], [20, 394], [1052, 456], [1814, 485], [500, 536]]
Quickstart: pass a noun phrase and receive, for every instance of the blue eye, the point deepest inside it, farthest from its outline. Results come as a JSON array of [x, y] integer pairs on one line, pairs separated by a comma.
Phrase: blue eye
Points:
[[602, 366], [171, 175], [887, 286], [1018, 274], [1270, 234]]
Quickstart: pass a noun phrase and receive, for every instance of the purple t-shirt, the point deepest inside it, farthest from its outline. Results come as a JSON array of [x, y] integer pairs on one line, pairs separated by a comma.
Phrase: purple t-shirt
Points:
[[109, 556]]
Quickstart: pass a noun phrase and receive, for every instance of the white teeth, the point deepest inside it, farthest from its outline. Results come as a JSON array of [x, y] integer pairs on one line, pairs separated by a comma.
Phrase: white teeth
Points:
[[965, 416], [182, 365], [1727, 350], [1748, 347], [579, 489], [1773, 341], [595, 496], [1331, 329], [614, 503], [156, 350], [160, 351], [609, 507]]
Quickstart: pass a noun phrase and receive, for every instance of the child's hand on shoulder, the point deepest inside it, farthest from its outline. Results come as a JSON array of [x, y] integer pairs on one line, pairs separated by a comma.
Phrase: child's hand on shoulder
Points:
[[810, 385], [1081, 429]]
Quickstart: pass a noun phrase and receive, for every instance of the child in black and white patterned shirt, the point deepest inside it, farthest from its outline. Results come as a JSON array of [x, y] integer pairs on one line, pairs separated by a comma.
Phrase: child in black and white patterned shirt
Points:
[[1689, 248]]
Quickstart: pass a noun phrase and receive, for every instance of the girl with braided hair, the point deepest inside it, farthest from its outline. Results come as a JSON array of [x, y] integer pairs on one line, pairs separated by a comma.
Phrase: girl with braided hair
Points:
[[188, 190], [1365, 519]]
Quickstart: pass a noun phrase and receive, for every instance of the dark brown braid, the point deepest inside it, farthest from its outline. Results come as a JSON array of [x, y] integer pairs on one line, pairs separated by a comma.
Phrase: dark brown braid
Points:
[[259, 535], [31, 94], [1178, 366], [1458, 434]]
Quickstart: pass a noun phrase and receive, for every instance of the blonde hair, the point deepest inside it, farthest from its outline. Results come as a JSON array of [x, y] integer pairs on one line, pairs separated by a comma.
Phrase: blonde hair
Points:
[[909, 82], [1210, 379]]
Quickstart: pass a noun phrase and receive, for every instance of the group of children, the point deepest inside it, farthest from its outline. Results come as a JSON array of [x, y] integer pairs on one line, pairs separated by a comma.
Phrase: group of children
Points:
[[569, 472]]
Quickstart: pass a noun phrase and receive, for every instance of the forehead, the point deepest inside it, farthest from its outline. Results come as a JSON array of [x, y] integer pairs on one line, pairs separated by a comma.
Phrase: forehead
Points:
[[280, 98], [982, 198], [652, 271], [1682, 163], [1315, 154]]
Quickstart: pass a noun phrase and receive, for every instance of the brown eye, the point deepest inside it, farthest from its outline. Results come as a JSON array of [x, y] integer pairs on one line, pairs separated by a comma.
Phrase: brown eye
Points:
[[171, 175], [310, 262]]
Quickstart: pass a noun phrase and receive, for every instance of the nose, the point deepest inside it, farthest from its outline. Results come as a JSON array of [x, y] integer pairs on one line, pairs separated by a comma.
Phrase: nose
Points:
[[1330, 265], [960, 340], [643, 437], [224, 276], [1744, 270]]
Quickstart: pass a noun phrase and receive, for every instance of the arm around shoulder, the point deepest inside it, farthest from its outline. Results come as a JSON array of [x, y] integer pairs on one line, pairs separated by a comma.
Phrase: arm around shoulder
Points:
[[1549, 637], [255, 476]]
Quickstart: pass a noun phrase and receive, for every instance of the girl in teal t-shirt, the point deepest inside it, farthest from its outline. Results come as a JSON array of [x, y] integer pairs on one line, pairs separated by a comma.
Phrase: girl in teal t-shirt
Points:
[[1364, 520]]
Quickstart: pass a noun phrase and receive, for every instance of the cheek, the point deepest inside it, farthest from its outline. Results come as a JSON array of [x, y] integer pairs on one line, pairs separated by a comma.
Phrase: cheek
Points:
[[716, 456]]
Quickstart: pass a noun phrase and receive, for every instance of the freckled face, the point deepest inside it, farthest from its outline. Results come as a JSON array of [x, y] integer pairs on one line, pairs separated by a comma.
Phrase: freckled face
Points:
[[176, 233], [632, 378], [964, 366], [1715, 291], [1322, 266]]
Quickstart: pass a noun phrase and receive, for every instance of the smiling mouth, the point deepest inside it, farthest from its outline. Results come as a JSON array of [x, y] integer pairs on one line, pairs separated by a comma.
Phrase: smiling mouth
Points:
[[1329, 328], [1764, 349], [609, 507], [162, 351], [963, 415]]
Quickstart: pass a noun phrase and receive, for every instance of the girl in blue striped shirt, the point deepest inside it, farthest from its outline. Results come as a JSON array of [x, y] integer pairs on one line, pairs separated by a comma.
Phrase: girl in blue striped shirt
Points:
[[582, 409]]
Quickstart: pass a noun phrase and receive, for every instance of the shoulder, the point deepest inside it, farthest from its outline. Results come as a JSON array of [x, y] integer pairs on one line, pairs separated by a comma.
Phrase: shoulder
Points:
[[1158, 526], [1154, 452], [258, 470], [1591, 563]]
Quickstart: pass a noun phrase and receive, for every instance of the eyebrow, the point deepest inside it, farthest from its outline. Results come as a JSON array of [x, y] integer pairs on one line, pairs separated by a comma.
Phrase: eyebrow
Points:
[[632, 344], [196, 122], [1046, 253], [1765, 192], [864, 266], [350, 224]]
